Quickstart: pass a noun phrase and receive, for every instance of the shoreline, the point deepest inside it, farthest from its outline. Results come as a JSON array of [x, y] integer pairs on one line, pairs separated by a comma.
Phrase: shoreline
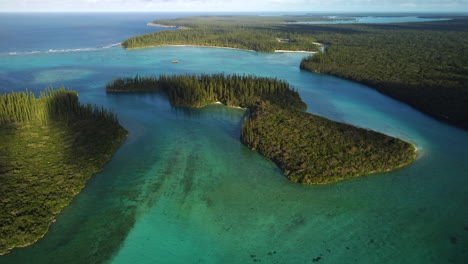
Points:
[[218, 47], [221, 47], [151, 24], [237, 107], [188, 45], [203, 46], [295, 51]]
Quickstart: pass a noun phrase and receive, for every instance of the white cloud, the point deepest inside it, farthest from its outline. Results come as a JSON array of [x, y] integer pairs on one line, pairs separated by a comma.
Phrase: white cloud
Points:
[[408, 5]]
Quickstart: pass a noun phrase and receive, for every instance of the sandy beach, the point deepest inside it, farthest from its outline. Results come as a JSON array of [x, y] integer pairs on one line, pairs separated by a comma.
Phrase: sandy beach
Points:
[[164, 26], [296, 51], [203, 46], [220, 47], [238, 107]]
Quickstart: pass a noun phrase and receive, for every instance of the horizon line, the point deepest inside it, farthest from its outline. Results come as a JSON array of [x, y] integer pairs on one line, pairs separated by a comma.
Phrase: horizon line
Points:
[[238, 11]]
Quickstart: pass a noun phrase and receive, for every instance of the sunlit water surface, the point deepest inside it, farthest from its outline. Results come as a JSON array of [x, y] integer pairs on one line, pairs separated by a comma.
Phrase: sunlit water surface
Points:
[[183, 189]]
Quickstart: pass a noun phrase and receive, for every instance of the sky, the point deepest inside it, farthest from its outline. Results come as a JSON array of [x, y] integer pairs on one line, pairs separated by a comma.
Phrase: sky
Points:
[[234, 5]]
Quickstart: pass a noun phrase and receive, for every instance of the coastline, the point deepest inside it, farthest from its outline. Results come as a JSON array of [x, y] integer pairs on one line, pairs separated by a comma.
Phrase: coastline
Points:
[[151, 24], [203, 46], [295, 51], [220, 47], [188, 45], [232, 106]]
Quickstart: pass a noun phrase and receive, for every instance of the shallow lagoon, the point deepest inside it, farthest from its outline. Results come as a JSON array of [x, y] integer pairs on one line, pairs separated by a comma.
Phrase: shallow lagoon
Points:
[[182, 189]]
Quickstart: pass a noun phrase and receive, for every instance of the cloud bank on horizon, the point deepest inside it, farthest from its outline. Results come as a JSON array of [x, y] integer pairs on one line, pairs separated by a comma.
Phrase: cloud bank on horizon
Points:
[[234, 5]]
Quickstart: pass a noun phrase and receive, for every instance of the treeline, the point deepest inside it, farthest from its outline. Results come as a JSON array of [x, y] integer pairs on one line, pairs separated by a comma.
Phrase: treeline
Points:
[[57, 105], [241, 37], [49, 147], [310, 149], [203, 89]]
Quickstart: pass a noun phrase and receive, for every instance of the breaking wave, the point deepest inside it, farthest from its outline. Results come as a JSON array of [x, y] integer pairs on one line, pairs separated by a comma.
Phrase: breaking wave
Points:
[[60, 50]]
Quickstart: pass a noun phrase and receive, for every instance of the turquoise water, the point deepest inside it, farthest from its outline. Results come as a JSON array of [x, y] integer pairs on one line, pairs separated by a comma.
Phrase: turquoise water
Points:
[[375, 20], [182, 189]]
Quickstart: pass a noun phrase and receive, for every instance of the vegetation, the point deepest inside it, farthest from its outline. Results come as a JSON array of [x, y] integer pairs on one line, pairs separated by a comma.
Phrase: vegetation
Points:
[[243, 32], [204, 89], [422, 64], [50, 146], [52, 105], [310, 149], [314, 150]]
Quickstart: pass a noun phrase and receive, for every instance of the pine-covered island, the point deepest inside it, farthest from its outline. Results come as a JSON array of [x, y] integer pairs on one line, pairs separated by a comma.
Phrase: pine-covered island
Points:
[[50, 147]]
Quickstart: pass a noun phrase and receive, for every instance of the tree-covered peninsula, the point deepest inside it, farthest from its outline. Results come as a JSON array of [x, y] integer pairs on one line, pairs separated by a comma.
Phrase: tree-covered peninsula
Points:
[[423, 64], [49, 147], [310, 149], [247, 32]]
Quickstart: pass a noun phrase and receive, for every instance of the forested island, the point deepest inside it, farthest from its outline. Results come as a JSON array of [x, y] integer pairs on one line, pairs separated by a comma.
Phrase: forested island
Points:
[[308, 148], [51, 146], [423, 64]]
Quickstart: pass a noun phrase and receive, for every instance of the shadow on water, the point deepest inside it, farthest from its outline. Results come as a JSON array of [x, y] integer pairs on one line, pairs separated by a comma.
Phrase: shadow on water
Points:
[[212, 112]]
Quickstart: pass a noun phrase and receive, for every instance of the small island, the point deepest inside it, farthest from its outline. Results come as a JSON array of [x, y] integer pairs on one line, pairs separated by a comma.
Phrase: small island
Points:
[[51, 146], [308, 148]]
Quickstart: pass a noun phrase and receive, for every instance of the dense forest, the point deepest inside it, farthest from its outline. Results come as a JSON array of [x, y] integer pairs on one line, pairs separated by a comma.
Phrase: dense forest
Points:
[[52, 105], [314, 150], [201, 90], [242, 35], [310, 149], [422, 64], [50, 146]]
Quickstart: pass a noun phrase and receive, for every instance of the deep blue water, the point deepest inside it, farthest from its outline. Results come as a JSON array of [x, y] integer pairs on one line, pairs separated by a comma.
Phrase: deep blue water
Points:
[[59, 32], [183, 189]]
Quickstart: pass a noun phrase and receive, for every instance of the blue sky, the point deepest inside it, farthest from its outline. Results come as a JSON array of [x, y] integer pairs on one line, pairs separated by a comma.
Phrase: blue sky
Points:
[[235, 5]]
